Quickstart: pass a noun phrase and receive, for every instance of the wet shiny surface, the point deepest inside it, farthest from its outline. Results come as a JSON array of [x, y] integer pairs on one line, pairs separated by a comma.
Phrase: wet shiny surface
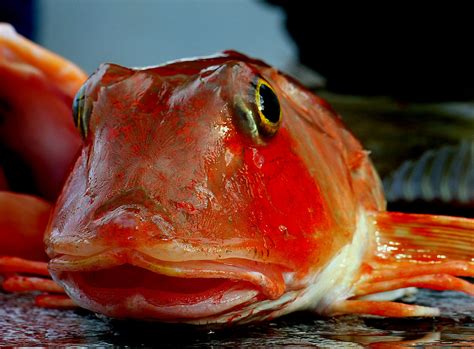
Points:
[[22, 324]]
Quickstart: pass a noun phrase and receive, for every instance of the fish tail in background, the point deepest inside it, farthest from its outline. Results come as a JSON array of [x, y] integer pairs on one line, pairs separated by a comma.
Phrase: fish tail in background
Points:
[[412, 250], [444, 175]]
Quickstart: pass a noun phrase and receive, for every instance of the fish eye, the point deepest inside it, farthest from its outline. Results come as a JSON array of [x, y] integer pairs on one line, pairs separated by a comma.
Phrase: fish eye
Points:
[[81, 111], [268, 106]]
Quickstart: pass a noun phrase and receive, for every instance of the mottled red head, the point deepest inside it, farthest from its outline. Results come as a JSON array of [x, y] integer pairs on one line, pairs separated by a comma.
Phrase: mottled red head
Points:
[[205, 187]]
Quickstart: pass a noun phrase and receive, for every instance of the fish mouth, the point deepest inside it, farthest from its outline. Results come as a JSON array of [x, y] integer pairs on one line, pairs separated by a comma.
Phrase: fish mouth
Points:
[[130, 284]]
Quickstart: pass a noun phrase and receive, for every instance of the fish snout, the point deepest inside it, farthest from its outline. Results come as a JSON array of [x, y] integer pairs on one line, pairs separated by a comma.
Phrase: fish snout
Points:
[[130, 226]]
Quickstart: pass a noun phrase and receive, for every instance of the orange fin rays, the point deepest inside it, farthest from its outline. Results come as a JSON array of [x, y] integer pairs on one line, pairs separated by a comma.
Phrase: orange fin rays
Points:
[[390, 309], [438, 282], [54, 302], [423, 238], [19, 283], [20, 265], [413, 250], [10, 266], [409, 269]]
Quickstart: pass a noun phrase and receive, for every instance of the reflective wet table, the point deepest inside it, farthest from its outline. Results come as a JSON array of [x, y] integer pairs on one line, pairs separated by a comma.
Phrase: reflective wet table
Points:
[[22, 324]]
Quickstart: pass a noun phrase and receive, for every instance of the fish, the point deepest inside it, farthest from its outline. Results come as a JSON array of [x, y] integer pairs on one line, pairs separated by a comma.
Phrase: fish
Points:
[[218, 190], [38, 140]]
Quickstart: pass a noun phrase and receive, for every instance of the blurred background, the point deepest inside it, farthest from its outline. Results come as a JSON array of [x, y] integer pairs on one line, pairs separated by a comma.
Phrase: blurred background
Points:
[[150, 32], [400, 76]]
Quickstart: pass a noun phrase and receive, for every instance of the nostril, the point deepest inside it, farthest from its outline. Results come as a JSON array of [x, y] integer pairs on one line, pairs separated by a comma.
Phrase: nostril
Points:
[[133, 200], [118, 228], [119, 223], [125, 218]]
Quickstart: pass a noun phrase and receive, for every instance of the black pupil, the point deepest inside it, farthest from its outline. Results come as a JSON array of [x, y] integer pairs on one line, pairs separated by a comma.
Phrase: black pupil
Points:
[[269, 105]]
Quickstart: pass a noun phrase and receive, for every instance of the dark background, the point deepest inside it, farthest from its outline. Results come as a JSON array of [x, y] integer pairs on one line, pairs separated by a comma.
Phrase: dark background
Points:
[[411, 52]]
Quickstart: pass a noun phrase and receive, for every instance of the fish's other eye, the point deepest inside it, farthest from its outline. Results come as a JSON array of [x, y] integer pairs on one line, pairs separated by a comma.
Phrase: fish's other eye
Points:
[[268, 106], [81, 111]]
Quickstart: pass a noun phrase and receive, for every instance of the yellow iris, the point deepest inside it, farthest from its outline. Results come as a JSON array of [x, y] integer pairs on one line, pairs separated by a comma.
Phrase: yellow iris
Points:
[[268, 107]]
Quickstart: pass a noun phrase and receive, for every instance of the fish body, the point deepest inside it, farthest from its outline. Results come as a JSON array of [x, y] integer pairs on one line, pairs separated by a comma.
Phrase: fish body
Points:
[[219, 190]]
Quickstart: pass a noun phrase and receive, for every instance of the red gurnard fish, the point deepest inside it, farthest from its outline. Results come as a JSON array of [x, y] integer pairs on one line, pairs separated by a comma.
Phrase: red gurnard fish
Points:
[[219, 190]]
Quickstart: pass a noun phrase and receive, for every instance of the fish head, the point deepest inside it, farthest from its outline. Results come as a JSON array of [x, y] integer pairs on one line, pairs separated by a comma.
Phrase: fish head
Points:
[[203, 191]]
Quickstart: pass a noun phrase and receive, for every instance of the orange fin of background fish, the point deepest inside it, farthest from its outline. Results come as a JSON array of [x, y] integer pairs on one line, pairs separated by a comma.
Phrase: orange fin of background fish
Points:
[[413, 250], [52, 296], [12, 265], [54, 302], [19, 283]]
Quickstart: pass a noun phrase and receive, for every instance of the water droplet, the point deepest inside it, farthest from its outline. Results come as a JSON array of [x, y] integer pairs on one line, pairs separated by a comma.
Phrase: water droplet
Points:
[[257, 158], [284, 230]]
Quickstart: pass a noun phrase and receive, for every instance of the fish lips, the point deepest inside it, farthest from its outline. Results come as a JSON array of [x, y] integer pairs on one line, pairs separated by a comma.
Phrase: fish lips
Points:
[[125, 283]]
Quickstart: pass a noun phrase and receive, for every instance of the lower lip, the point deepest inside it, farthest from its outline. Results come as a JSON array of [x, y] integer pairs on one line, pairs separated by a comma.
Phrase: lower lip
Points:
[[132, 292]]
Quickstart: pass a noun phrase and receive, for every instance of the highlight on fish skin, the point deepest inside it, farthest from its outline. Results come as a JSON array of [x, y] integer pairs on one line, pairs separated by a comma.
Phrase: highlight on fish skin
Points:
[[219, 190]]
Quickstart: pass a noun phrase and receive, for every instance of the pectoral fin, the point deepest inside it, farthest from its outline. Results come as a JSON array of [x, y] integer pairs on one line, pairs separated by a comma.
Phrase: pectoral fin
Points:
[[423, 239], [412, 250]]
